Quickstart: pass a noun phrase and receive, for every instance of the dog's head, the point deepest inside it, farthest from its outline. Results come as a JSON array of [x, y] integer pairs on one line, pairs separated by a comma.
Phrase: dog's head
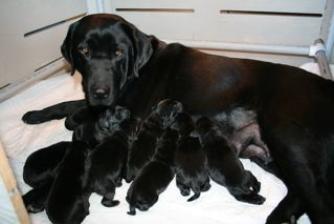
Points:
[[167, 110], [107, 51]]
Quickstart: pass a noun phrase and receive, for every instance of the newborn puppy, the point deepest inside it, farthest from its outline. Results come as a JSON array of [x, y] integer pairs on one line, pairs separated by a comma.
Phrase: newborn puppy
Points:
[[155, 176], [224, 165], [190, 159], [108, 159], [241, 129], [41, 167], [67, 201], [143, 147], [98, 170], [39, 172]]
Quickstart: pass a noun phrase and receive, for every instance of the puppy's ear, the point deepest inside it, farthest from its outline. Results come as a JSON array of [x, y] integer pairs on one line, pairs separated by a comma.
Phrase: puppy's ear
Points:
[[67, 47]]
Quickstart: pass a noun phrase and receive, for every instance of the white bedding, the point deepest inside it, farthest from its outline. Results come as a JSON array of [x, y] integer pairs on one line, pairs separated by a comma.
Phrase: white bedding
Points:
[[214, 206]]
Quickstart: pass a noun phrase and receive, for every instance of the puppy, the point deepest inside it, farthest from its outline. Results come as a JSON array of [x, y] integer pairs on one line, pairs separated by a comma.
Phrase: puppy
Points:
[[155, 176], [224, 165], [98, 170], [67, 200], [143, 147], [39, 172], [190, 159], [41, 167], [108, 159]]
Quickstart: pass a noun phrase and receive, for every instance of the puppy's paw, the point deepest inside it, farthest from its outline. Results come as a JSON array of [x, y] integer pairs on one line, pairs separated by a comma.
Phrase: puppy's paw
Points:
[[33, 117], [70, 124], [109, 203], [132, 210], [34, 208], [185, 192]]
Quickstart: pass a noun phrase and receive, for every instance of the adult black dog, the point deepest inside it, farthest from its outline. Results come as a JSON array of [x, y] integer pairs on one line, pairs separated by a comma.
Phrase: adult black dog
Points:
[[120, 64]]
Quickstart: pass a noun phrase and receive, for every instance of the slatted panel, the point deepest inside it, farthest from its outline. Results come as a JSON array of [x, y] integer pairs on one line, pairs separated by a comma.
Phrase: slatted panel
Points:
[[21, 56], [244, 21]]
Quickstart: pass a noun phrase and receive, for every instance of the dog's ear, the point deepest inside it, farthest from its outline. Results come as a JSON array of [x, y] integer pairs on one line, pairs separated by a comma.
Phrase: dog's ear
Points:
[[142, 48], [67, 47]]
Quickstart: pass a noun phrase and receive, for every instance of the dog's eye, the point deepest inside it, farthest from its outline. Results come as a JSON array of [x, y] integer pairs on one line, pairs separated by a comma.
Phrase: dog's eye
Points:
[[84, 51], [118, 52]]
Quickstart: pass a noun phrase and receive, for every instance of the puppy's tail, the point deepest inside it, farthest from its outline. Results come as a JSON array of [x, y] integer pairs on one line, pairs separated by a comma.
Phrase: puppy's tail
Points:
[[132, 210], [195, 196]]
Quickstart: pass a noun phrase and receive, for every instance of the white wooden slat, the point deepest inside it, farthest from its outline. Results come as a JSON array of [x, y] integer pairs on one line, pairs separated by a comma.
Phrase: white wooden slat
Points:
[[21, 56], [297, 6], [261, 29], [22, 16], [161, 25], [112, 4]]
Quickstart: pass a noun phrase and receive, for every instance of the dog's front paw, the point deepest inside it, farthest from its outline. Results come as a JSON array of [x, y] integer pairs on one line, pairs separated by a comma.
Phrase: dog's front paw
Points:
[[257, 199], [33, 117]]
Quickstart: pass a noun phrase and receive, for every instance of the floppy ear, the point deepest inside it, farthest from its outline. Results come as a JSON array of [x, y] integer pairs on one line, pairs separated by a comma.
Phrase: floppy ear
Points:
[[142, 48], [67, 47]]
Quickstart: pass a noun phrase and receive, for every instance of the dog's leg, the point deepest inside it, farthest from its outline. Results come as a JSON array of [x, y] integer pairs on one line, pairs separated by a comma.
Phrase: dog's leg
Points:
[[57, 111], [288, 210], [301, 158], [185, 190], [108, 196], [34, 200], [132, 210]]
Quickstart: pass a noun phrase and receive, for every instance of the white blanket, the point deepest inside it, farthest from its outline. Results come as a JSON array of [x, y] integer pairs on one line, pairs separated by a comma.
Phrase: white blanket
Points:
[[213, 207]]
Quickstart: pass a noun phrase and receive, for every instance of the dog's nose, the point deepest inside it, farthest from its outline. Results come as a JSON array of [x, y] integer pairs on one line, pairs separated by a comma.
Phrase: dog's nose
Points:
[[101, 93]]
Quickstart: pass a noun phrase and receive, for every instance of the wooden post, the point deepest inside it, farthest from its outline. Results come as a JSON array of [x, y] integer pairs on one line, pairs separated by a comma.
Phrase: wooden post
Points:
[[11, 186]]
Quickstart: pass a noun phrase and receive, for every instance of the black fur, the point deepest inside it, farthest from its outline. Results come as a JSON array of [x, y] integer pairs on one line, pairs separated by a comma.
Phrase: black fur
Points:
[[294, 108], [143, 148], [67, 201], [155, 176], [190, 159], [224, 165]]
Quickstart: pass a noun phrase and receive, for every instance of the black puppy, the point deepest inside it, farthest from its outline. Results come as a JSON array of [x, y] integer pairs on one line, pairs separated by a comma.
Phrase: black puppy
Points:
[[155, 176], [39, 172], [108, 160], [224, 165], [143, 147], [190, 159], [67, 201], [41, 167]]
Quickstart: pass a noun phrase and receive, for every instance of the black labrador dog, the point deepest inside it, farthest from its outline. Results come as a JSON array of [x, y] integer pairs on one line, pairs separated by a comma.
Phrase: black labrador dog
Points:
[[190, 159], [294, 108]]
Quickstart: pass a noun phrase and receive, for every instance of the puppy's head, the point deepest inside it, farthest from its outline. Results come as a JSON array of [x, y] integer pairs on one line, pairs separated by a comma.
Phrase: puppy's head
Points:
[[110, 121], [108, 52], [167, 110], [204, 125], [183, 124]]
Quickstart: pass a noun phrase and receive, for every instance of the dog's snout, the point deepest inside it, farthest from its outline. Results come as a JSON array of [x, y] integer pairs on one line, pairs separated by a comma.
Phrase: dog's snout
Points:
[[101, 93]]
